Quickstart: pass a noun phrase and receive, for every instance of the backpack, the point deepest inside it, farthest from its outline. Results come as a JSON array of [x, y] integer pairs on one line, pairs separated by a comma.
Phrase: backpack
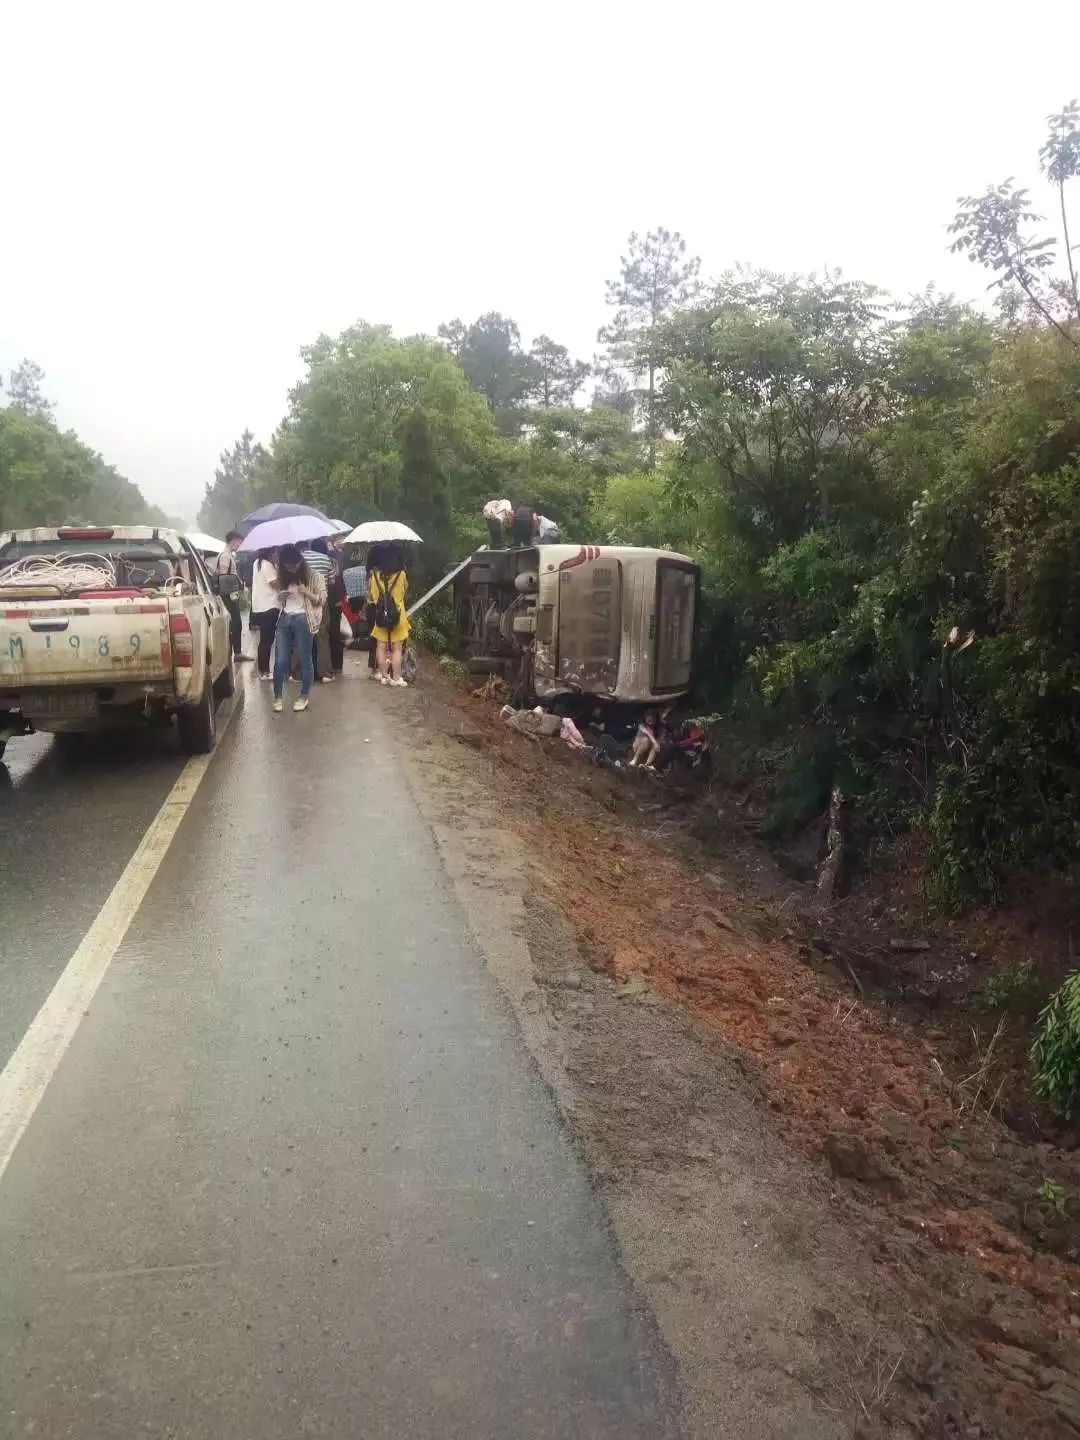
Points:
[[387, 612]]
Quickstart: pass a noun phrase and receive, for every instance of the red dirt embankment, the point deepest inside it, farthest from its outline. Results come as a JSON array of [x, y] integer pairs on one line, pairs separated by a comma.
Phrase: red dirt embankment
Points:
[[946, 1197]]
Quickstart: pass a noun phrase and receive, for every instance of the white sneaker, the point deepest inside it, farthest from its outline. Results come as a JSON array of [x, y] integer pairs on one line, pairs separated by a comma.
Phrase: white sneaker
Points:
[[301, 704]]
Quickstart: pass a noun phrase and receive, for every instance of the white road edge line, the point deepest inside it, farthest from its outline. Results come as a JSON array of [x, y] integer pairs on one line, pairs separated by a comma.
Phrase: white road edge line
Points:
[[26, 1076]]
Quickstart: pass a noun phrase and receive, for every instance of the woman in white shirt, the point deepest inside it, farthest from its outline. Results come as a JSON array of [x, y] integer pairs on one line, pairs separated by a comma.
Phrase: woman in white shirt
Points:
[[302, 596], [264, 606]]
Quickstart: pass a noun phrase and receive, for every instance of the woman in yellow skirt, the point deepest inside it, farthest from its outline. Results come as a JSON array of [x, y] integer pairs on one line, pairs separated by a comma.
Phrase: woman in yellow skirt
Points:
[[388, 587]]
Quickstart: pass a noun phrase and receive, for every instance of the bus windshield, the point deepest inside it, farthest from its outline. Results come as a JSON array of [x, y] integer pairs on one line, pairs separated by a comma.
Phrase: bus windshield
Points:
[[676, 592]]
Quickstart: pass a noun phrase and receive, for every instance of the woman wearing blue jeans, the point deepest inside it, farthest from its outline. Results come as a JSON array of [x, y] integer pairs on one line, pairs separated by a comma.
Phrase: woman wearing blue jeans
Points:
[[301, 594]]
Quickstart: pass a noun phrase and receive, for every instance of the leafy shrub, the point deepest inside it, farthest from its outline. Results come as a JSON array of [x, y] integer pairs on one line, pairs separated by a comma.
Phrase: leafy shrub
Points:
[[1011, 987], [1056, 1051], [454, 670], [434, 626], [1054, 1198]]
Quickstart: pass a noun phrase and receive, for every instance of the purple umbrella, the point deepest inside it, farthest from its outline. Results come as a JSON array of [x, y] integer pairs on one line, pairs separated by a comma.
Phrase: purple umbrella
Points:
[[276, 510], [289, 530]]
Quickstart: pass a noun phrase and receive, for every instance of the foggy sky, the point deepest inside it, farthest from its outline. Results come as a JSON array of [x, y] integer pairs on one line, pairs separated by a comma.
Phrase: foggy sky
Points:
[[192, 193]]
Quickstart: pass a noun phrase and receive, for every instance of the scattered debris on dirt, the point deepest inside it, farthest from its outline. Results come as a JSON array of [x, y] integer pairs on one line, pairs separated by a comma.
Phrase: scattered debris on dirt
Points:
[[957, 1279]]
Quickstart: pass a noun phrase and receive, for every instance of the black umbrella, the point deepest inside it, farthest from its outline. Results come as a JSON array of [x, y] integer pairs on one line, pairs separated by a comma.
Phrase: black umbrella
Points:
[[276, 510]]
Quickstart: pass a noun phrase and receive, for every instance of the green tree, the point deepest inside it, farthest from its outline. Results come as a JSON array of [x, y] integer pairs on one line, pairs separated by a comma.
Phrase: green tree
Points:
[[637, 509], [1060, 158], [556, 379], [993, 230], [612, 390], [25, 391], [655, 279], [240, 482], [425, 494], [776, 385], [489, 351], [567, 457], [342, 444], [50, 478]]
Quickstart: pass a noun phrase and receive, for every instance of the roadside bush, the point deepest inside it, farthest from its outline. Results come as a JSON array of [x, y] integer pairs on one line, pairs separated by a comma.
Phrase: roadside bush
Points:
[[433, 628], [1012, 987], [454, 670], [1056, 1051]]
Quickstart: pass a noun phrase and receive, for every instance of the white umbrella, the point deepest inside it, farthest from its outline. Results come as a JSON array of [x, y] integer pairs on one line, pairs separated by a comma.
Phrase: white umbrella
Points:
[[373, 530], [206, 544]]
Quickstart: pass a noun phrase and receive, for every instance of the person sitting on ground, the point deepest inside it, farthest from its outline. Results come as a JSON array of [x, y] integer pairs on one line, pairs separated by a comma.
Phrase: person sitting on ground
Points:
[[609, 749], [646, 747], [687, 746], [571, 735]]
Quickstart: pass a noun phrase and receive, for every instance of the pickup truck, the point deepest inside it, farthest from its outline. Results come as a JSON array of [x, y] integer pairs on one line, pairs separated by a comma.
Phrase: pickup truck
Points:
[[101, 626]]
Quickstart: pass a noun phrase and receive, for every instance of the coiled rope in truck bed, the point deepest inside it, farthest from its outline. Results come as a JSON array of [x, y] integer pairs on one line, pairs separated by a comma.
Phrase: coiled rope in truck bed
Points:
[[60, 572]]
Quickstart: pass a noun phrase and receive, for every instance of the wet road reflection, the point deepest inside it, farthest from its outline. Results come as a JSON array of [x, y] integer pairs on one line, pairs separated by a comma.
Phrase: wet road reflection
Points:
[[20, 757], [72, 810]]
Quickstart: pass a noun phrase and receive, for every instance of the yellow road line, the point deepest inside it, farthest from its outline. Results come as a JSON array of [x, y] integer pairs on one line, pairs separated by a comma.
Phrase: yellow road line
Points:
[[26, 1076]]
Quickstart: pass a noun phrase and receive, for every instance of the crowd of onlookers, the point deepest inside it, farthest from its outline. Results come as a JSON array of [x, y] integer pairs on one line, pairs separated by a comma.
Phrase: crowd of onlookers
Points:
[[308, 602]]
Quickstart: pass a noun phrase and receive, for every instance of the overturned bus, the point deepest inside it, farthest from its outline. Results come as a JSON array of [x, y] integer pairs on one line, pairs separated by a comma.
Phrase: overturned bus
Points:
[[614, 621]]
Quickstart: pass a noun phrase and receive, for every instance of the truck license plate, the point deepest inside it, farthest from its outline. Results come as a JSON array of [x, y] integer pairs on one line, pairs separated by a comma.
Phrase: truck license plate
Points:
[[56, 702]]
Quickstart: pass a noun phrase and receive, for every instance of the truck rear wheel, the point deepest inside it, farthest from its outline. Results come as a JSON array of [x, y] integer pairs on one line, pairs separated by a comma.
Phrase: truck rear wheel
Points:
[[197, 723], [225, 685]]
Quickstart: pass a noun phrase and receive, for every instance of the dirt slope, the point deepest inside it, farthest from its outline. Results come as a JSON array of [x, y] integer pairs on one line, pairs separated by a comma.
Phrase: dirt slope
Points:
[[834, 1236]]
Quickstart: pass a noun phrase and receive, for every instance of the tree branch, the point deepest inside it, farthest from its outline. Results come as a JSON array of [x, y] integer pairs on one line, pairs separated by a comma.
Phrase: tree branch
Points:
[[1068, 248]]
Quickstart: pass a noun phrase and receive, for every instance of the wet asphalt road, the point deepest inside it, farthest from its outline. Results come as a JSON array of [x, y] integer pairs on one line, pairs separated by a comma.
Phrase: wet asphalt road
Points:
[[295, 1174]]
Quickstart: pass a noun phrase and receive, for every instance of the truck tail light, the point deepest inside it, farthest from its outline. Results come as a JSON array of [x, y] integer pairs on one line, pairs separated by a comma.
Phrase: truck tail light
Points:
[[183, 643]]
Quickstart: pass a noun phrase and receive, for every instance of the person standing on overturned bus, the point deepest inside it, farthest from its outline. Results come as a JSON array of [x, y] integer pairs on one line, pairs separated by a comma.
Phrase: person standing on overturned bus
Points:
[[229, 587]]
